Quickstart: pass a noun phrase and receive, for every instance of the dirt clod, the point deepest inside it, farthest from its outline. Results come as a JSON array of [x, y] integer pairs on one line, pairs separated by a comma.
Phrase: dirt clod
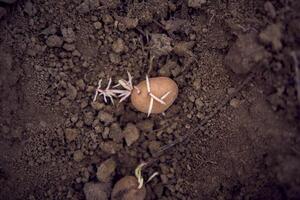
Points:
[[196, 3], [272, 35], [54, 41], [131, 134], [118, 46], [96, 191], [71, 134], [106, 170], [78, 156], [244, 54]]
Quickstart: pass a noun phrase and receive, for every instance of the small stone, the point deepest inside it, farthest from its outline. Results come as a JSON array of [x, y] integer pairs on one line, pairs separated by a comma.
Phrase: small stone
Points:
[[54, 41], [71, 92], [196, 3], [69, 47], [154, 146], [235, 103], [272, 35], [98, 25], [88, 118], [71, 134], [96, 191], [78, 156], [106, 170], [118, 46], [131, 134], [68, 35], [105, 117], [110, 147]]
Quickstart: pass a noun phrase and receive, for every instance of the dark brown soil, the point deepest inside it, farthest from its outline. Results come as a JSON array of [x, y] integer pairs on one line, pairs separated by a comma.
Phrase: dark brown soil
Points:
[[53, 138]]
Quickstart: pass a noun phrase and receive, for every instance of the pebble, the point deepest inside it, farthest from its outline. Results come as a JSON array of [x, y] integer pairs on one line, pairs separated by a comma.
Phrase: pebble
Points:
[[118, 46], [106, 170], [68, 35], [54, 41], [96, 191], [98, 25], [131, 134], [272, 35], [78, 156], [71, 134], [105, 117]]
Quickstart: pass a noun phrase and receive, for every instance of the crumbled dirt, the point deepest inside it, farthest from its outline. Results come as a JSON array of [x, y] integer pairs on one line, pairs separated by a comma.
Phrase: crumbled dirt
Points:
[[56, 143]]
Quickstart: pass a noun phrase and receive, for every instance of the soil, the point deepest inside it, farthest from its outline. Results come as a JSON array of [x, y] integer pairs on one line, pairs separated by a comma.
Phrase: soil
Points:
[[55, 142]]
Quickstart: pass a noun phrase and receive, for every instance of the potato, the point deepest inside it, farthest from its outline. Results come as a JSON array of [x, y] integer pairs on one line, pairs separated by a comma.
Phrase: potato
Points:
[[127, 189], [159, 86]]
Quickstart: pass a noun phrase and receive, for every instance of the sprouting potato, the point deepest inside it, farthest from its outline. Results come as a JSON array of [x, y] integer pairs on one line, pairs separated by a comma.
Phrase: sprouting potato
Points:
[[154, 95], [159, 86], [127, 189]]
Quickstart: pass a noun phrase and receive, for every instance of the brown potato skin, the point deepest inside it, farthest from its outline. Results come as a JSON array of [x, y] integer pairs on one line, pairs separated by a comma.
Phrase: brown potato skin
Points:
[[159, 87], [127, 189]]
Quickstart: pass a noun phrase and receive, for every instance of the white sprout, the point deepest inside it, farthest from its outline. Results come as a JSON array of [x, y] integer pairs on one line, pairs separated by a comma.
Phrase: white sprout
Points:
[[153, 97], [139, 176], [127, 91], [107, 92]]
